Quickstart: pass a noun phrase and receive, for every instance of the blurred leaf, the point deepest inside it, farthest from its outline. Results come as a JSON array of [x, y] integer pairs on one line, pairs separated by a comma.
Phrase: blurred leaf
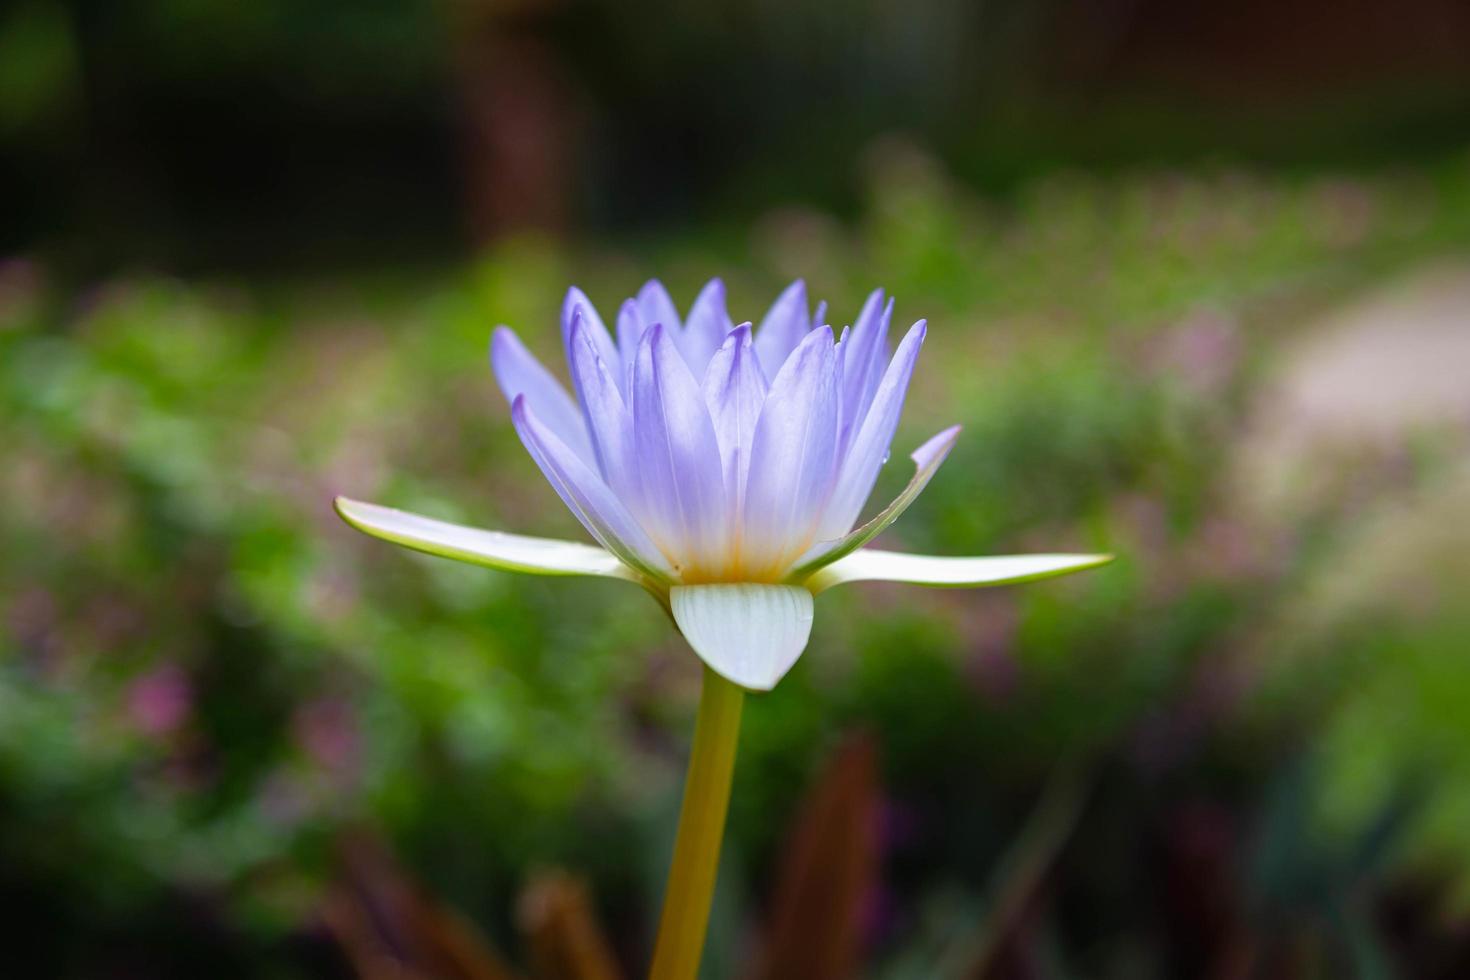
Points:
[[828, 875], [391, 929], [566, 940]]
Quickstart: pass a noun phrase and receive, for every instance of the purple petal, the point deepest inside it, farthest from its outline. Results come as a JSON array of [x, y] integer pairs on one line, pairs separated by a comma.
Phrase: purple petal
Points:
[[862, 364], [587, 495], [682, 489], [656, 306], [793, 457], [783, 326], [519, 373], [607, 418], [734, 390], [706, 327], [870, 446], [630, 331], [602, 341], [926, 463]]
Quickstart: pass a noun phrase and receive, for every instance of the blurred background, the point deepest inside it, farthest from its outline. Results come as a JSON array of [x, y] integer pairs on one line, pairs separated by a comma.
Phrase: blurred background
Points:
[[1198, 278]]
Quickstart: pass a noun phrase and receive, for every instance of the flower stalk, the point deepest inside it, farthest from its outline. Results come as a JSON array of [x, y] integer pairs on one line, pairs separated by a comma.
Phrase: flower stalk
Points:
[[691, 886]]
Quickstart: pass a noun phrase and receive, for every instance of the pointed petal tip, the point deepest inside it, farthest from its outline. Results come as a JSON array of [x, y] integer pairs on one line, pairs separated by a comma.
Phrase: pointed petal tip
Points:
[[817, 335], [740, 336], [343, 506], [795, 289], [577, 326], [937, 444], [711, 293], [749, 633], [361, 515], [519, 409], [652, 288]]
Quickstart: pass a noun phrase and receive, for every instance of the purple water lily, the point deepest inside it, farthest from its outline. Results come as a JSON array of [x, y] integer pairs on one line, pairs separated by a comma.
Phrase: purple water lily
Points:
[[722, 467]]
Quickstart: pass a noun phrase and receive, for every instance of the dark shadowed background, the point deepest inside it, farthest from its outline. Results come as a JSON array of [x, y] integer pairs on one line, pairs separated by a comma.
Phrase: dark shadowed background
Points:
[[1198, 283]]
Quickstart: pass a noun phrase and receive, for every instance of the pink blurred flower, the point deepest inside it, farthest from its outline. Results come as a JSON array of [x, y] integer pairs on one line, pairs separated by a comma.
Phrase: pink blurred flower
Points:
[[326, 731], [160, 701]]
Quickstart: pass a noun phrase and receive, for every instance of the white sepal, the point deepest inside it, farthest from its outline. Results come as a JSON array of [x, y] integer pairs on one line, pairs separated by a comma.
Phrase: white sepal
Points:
[[748, 633], [496, 549], [891, 566]]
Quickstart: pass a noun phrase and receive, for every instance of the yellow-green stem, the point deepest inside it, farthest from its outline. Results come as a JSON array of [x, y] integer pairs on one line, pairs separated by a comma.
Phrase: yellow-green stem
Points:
[[691, 886]]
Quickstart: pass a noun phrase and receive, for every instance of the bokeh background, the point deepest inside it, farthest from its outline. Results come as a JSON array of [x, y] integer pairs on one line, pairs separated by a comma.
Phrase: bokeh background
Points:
[[1198, 280]]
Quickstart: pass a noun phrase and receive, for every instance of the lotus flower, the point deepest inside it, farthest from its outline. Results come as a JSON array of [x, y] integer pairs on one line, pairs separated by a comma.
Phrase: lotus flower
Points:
[[721, 467], [724, 470]]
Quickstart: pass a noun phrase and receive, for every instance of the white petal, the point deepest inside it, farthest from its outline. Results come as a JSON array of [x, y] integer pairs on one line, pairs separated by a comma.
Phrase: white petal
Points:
[[891, 566], [510, 552], [748, 633]]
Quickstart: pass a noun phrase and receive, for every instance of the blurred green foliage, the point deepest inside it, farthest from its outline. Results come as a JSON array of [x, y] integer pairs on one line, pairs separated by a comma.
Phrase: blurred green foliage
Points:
[[206, 680]]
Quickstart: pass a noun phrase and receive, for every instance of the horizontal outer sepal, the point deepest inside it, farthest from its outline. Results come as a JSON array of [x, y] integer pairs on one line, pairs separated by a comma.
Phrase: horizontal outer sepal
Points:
[[870, 565], [494, 549]]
